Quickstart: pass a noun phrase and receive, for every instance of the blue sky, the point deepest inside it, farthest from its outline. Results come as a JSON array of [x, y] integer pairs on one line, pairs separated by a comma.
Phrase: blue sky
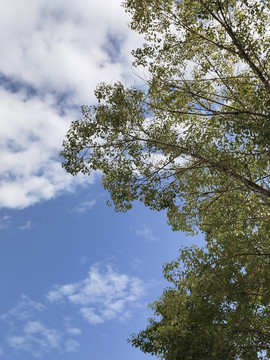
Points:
[[75, 276]]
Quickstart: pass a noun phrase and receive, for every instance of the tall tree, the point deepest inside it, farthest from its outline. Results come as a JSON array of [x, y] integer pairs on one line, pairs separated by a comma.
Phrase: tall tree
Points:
[[198, 137], [195, 142]]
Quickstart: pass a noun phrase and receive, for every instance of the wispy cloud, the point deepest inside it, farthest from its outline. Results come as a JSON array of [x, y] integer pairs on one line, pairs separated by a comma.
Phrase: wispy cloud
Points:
[[89, 314], [36, 338], [27, 226], [4, 222], [70, 329], [147, 233], [104, 295], [26, 332], [74, 331], [84, 206], [72, 345], [24, 310], [137, 263]]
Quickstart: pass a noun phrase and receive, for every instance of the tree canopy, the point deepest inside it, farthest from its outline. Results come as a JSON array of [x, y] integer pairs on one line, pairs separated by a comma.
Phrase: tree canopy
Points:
[[194, 141], [217, 308]]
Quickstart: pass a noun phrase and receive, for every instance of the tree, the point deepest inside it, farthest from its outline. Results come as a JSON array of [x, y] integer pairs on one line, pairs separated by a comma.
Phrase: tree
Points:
[[186, 145], [218, 308], [193, 142]]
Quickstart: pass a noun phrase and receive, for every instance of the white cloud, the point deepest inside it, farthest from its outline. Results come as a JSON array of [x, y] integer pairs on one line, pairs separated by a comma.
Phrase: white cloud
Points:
[[84, 206], [51, 336], [36, 338], [64, 45], [147, 233], [104, 295], [24, 310], [4, 222], [137, 263], [72, 345], [90, 315], [26, 332], [1, 351], [53, 55], [27, 226], [61, 292], [74, 331], [19, 343], [30, 138]]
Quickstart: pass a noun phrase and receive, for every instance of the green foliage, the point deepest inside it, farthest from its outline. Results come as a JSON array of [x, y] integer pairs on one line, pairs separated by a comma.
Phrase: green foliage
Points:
[[216, 309], [186, 145], [196, 144]]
